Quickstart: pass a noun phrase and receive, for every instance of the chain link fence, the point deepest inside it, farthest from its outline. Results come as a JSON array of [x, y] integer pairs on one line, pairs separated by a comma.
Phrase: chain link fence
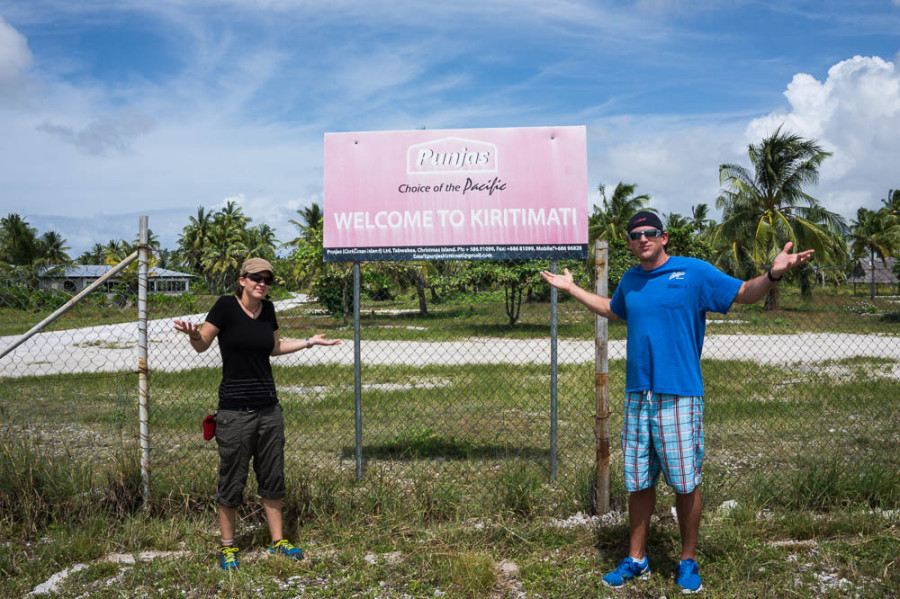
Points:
[[457, 403]]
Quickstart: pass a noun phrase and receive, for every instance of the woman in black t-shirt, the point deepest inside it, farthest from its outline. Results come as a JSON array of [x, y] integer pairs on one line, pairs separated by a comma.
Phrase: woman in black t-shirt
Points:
[[249, 422]]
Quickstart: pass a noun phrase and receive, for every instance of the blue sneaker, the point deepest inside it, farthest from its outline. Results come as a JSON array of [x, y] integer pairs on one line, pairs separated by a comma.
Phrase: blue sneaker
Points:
[[228, 557], [626, 570], [283, 547], [689, 577]]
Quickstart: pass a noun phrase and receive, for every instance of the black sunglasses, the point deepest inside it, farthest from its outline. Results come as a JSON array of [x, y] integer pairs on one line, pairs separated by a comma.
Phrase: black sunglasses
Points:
[[649, 234], [258, 278]]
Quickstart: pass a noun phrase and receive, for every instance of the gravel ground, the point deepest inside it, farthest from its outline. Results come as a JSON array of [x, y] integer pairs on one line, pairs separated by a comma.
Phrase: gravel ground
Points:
[[113, 348]]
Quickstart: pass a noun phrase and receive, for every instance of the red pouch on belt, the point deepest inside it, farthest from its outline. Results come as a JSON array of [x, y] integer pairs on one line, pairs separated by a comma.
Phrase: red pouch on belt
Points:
[[209, 427]]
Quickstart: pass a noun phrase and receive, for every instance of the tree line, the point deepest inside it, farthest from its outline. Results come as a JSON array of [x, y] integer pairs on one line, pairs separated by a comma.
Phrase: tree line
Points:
[[762, 207]]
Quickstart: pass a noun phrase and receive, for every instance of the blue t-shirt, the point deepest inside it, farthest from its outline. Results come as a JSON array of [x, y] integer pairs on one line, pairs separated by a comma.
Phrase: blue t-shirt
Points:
[[665, 309]]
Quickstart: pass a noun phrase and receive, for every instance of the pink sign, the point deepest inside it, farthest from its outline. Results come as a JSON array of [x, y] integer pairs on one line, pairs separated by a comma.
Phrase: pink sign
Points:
[[456, 194]]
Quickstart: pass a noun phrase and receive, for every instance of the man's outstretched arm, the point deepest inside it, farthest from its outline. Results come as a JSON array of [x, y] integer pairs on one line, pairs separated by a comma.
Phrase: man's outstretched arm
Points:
[[755, 289], [595, 303]]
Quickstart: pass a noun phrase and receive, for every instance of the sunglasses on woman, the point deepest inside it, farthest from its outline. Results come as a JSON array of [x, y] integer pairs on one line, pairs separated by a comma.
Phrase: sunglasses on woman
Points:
[[258, 278], [649, 234]]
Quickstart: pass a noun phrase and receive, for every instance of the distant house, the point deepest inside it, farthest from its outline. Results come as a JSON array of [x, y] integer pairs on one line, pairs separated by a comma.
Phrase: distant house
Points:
[[73, 279], [884, 273]]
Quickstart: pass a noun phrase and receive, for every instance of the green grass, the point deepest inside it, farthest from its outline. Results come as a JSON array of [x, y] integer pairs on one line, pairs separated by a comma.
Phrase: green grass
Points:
[[456, 496], [376, 542], [471, 422]]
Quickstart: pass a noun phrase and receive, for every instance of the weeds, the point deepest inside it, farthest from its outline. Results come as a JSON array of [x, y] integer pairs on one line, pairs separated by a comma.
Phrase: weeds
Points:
[[519, 490], [456, 475], [37, 490], [469, 574], [388, 539], [821, 485]]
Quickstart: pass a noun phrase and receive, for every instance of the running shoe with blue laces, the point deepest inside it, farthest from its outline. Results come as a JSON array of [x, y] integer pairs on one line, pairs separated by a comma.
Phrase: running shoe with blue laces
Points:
[[627, 569]]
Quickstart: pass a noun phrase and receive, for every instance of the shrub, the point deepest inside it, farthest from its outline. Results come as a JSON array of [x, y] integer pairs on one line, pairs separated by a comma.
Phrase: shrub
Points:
[[329, 290]]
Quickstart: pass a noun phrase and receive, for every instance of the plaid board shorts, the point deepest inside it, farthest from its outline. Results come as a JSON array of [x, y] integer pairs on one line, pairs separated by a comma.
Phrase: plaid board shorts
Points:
[[662, 433]]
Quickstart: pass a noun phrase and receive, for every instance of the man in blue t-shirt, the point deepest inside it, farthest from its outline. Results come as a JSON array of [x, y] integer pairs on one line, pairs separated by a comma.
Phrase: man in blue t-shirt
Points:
[[665, 301]]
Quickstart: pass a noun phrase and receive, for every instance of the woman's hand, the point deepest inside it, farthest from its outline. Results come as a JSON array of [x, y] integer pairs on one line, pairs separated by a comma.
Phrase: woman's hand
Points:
[[200, 340], [321, 340], [188, 328]]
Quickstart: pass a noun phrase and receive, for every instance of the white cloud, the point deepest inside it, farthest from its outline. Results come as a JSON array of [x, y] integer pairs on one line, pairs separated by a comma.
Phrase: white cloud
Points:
[[15, 58], [275, 213], [673, 160], [855, 114], [240, 110]]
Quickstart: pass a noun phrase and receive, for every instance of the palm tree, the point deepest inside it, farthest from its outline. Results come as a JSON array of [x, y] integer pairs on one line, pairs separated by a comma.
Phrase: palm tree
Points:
[[53, 248], [610, 219], [165, 258], [874, 233], [261, 241], [115, 251], [892, 202], [231, 217], [673, 220], [18, 241], [226, 247], [764, 209], [222, 260], [193, 239], [700, 220], [92, 256], [152, 242], [310, 221]]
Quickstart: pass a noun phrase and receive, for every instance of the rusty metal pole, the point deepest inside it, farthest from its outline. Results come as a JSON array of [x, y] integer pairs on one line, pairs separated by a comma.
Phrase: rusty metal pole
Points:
[[143, 393], [601, 381]]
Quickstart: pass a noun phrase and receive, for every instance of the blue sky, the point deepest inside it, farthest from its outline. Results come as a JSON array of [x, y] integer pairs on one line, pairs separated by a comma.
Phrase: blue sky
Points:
[[114, 108]]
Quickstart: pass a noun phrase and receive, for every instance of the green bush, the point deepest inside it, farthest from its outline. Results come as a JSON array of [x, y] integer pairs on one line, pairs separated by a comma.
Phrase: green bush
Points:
[[185, 303], [329, 291], [31, 300], [377, 286]]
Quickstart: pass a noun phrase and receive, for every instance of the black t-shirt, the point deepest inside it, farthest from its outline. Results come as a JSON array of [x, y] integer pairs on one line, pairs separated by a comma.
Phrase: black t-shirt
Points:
[[246, 344]]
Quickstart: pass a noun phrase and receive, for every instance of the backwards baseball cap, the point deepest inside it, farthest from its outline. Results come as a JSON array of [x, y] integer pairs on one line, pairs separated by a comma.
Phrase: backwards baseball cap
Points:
[[644, 219], [256, 265]]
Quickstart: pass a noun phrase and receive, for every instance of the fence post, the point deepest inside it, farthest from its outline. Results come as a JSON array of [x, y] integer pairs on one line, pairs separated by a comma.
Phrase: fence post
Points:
[[554, 312], [357, 373], [143, 395], [601, 381]]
